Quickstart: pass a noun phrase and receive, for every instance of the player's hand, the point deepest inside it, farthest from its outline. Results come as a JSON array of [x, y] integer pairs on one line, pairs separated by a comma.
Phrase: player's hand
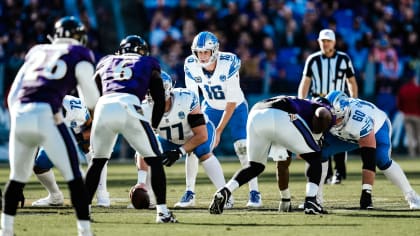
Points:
[[170, 157]]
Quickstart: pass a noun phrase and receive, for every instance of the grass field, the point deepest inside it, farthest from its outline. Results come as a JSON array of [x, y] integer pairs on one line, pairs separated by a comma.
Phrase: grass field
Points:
[[390, 217]]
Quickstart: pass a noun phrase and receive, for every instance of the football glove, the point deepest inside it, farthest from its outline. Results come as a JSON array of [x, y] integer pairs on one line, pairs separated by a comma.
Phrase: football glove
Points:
[[171, 156]]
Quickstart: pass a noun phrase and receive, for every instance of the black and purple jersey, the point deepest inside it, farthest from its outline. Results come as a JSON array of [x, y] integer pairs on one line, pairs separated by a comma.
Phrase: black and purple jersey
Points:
[[49, 73], [128, 73], [293, 105]]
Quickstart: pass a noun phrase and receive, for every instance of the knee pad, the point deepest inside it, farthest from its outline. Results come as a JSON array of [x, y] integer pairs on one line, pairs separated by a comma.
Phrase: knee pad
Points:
[[240, 147]]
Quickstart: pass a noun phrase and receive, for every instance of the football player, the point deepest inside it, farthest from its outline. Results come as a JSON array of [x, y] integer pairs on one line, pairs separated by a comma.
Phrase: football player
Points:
[[49, 73], [77, 117], [125, 78], [360, 124], [273, 122], [183, 130], [217, 75]]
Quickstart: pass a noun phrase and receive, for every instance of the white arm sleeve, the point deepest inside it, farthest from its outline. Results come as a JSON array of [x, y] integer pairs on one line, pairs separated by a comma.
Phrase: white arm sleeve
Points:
[[87, 89]]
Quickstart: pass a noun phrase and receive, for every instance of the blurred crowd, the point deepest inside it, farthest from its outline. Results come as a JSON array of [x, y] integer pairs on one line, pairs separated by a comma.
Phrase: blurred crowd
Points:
[[272, 37]]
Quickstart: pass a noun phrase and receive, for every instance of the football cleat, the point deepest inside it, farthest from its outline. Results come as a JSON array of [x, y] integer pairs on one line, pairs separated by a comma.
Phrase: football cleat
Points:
[[312, 207], [166, 218], [102, 199], [336, 179], [55, 199], [285, 205], [366, 200], [219, 201], [413, 200], [81, 232], [187, 200], [254, 199]]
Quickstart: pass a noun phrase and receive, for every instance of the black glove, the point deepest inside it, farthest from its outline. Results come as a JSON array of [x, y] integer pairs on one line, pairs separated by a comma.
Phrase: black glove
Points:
[[170, 157]]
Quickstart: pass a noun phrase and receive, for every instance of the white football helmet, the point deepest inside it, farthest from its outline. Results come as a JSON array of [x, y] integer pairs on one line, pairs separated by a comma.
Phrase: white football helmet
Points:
[[205, 41], [339, 102]]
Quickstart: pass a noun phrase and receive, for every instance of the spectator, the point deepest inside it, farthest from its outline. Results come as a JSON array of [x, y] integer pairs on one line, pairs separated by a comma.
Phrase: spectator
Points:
[[408, 102]]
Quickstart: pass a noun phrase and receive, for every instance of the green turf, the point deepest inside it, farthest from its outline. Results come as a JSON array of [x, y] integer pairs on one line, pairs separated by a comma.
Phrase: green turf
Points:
[[390, 217]]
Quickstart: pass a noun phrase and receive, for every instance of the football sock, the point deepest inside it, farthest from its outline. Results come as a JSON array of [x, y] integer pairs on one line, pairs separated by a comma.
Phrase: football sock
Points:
[[102, 180], [191, 171], [396, 175], [311, 189], [141, 176], [214, 171], [47, 179]]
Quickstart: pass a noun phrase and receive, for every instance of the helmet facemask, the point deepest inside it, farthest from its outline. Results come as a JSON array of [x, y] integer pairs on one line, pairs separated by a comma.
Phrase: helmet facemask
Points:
[[205, 41]]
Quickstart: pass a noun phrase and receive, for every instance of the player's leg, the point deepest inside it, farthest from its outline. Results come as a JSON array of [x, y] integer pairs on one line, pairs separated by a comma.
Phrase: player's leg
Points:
[[191, 171], [102, 194], [60, 138], [258, 128], [282, 174], [391, 169], [237, 125], [44, 173], [140, 136], [21, 162], [109, 119], [340, 167]]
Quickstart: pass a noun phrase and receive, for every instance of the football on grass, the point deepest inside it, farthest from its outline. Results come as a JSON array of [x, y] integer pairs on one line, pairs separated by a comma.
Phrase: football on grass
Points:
[[139, 197]]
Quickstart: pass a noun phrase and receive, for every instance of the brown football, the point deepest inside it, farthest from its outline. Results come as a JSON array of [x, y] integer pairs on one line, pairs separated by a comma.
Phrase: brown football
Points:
[[139, 197]]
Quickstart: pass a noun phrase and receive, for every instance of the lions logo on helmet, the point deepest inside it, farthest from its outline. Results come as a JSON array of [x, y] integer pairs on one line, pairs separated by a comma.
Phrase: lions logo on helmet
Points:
[[206, 41], [167, 84], [133, 44], [72, 28], [339, 102]]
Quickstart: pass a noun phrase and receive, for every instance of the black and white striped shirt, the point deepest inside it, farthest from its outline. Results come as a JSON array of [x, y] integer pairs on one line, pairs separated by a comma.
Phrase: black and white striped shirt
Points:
[[328, 73]]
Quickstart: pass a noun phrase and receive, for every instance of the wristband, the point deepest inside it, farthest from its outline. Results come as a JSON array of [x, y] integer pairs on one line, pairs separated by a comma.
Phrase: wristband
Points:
[[182, 150]]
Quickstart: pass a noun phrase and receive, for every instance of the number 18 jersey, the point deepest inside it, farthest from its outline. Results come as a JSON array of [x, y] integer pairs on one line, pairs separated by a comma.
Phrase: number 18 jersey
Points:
[[220, 87]]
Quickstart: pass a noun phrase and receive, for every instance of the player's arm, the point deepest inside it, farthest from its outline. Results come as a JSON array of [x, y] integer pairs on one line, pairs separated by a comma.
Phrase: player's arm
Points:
[[198, 126], [157, 92], [86, 87], [304, 86], [352, 85], [16, 85]]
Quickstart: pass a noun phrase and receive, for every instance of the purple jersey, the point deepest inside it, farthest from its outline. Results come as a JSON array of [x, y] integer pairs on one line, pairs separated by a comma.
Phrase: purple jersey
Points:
[[128, 73], [49, 73], [293, 105]]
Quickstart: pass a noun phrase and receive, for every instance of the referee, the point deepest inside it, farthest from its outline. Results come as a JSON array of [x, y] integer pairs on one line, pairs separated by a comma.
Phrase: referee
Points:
[[324, 71]]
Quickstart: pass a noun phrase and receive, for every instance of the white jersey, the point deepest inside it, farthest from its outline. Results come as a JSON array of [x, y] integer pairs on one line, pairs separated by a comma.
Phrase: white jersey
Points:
[[174, 125], [361, 119], [219, 88], [76, 113]]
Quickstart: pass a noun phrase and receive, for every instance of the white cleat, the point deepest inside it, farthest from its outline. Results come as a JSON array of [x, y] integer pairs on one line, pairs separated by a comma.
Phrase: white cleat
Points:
[[187, 200], [413, 200], [102, 199], [55, 199], [254, 199]]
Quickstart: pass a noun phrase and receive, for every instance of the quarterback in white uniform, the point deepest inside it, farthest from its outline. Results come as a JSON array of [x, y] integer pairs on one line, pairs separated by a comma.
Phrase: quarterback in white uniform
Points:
[[76, 117], [217, 75], [360, 124], [185, 129]]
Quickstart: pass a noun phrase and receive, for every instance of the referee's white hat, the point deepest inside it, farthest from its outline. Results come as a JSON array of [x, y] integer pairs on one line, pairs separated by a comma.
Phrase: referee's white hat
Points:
[[326, 34]]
